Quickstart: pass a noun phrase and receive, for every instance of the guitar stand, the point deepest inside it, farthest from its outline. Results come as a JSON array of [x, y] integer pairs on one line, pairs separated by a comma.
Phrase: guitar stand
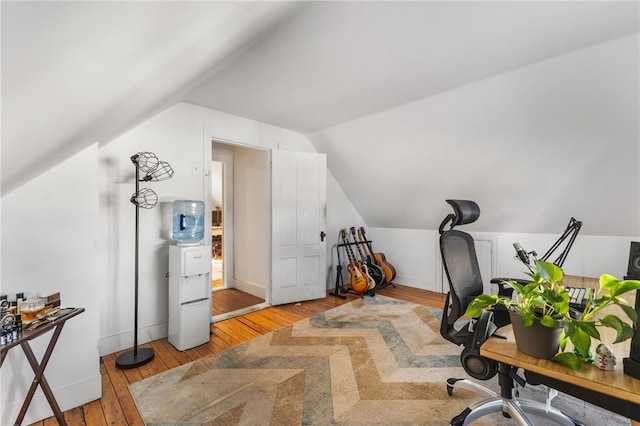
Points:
[[340, 289], [339, 286]]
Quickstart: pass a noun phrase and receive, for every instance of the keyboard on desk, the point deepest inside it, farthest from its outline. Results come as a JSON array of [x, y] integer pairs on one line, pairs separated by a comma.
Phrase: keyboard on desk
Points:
[[578, 297]]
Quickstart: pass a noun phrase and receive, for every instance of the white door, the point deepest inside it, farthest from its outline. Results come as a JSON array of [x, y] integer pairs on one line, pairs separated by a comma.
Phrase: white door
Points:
[[299, 218]]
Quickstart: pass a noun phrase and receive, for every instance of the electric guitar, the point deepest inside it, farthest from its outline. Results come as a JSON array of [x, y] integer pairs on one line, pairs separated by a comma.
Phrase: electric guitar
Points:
[[380, 260], [357, 280], [375, 272]]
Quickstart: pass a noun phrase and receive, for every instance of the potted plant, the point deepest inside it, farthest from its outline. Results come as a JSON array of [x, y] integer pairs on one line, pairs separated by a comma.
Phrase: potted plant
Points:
[[545, 302]]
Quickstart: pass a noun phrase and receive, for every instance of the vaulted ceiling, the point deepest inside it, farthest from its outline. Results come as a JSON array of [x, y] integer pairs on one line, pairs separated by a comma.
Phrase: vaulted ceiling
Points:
[[333, 62], [74, 73]]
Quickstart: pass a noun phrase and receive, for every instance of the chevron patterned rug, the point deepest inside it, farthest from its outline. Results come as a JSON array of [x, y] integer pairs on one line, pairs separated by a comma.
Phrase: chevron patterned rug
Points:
[[376, 360]]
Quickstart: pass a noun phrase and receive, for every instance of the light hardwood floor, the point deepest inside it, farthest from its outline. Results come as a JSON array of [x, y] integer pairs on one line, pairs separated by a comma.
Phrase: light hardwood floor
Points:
[[116, 407]]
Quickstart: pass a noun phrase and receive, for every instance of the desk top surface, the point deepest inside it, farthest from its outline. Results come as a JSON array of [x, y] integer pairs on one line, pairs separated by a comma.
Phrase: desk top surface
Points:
[[613, 382]]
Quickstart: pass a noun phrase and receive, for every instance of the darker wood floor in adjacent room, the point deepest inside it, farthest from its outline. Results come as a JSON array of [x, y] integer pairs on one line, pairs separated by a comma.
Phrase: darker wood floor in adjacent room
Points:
[[231, 299], [116, 407]]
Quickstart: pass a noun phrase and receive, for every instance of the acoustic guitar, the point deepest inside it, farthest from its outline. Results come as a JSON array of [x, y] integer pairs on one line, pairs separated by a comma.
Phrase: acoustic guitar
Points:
[[358, 282], [380, 259], [375, 272]]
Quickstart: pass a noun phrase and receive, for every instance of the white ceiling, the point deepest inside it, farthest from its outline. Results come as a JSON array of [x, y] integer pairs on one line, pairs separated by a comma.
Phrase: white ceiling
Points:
[[76, 73], [79, 72], [337, 61]]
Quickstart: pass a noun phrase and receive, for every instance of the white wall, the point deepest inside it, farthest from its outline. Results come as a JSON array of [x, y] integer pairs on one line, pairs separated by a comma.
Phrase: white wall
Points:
[[252, 221], [533, 147], [50, 244], [177, 135], [415, 254]]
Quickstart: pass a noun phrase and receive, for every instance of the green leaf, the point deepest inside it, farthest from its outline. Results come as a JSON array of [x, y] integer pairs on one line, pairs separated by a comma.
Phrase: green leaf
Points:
[[631, 312], [548, 321], [515, 285], [528, 318], [626, 333], [608, 282], [589, 327], [581, 341], [624, 286], [563, 341], [612, 321], [568, 359], [478, 304], [549, 272], [623, 330], [530, 288]]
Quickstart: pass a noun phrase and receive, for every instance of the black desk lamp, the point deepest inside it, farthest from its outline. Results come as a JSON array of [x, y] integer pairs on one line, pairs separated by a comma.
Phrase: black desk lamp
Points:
[[571, 232], [154, 170]]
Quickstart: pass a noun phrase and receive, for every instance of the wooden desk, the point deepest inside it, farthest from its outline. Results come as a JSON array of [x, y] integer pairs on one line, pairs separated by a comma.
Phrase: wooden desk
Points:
[[612, 390], [39, 367]]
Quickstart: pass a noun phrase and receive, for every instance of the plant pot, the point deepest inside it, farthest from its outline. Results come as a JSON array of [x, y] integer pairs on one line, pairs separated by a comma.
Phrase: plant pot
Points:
[[538, 341]]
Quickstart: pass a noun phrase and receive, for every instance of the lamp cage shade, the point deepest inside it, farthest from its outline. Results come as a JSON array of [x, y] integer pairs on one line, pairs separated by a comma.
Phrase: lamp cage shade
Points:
[[145, 198]]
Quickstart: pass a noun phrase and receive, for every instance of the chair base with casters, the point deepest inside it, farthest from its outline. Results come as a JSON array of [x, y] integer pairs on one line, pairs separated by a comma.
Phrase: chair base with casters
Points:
[[516, 408]]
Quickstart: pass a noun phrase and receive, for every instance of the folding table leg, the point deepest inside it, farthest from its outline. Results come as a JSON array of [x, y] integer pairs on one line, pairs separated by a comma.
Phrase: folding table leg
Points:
[[39, 378]]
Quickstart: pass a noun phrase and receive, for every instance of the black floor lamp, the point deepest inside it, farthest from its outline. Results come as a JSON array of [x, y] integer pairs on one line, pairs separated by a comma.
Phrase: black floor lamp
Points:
[[154, 170]]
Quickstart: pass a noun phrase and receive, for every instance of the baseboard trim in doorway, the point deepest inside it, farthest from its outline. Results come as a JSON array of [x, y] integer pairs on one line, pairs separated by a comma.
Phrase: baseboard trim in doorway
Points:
[[239, 312]]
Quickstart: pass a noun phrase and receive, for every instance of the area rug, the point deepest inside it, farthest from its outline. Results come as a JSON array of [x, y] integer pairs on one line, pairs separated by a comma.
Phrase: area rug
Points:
[[376, 360]]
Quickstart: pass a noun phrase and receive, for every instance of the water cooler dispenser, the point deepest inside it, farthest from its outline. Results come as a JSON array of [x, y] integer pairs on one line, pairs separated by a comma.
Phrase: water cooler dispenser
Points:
[[189, 279]]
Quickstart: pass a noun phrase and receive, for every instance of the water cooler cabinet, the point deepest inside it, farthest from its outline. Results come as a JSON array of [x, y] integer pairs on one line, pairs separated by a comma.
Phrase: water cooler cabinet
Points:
[[189, 295]]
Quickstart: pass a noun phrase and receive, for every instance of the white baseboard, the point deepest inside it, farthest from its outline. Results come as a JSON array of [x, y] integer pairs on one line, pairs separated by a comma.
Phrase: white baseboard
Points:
[[118, 342], [416, 283], [251, 288], [68, 397]]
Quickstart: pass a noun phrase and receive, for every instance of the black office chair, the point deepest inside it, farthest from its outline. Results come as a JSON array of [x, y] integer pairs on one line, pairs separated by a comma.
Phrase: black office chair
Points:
[[465, 283]]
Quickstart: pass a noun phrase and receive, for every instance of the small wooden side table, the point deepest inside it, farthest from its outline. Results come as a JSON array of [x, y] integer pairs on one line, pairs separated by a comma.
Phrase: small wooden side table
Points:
[[39, 367]]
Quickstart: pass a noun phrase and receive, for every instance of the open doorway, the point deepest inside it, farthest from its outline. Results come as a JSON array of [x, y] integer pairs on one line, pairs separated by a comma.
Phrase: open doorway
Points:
[[240, 265]]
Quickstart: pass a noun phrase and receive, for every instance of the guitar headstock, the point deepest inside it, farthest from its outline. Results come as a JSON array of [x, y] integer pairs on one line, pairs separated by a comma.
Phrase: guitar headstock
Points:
[[361, 233], [353, 232]]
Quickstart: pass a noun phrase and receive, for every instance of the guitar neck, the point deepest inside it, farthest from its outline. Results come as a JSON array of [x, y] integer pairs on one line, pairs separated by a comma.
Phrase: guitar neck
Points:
[[347, 245], [367, 246], [362, 256]]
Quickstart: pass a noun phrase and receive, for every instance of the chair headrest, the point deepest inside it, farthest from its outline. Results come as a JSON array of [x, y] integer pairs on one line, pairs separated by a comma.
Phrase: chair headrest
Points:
[[464, 212]]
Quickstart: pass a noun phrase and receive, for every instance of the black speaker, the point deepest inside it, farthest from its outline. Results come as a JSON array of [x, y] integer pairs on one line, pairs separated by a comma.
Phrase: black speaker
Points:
[[633, 271], [632, 364]]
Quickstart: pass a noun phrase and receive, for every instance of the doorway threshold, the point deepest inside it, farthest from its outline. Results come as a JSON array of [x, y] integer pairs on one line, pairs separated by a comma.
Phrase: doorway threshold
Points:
[[238, 312]]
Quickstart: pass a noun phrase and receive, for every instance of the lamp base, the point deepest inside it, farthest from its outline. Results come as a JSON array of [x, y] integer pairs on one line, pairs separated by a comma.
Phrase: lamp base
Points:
[[130, 359]]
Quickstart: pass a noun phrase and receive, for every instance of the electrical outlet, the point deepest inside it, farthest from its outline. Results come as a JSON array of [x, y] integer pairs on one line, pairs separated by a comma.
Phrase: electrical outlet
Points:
[[196, 168]]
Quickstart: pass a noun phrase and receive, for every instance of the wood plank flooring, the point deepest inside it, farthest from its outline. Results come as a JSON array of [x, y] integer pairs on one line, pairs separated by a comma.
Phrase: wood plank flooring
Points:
[[231, 299], [116, 407]]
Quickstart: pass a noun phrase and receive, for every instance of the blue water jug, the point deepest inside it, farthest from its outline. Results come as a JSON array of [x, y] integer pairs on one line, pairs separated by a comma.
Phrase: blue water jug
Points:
[[188, 222]]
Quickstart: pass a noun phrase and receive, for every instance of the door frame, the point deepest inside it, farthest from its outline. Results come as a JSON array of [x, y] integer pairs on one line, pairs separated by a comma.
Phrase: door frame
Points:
[[209, 137], [208, 140], [227, 215]]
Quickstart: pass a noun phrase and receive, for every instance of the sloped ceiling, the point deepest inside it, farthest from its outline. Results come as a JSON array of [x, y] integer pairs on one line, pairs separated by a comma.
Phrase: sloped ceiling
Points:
[[336, 61], [80, 72], [74, 73]]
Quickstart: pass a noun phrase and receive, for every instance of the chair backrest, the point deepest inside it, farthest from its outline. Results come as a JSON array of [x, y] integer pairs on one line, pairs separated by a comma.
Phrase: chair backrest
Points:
[[460, 261]]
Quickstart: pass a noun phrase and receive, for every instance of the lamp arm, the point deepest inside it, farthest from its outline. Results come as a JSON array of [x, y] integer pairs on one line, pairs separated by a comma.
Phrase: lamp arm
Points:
[[570, 232]]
